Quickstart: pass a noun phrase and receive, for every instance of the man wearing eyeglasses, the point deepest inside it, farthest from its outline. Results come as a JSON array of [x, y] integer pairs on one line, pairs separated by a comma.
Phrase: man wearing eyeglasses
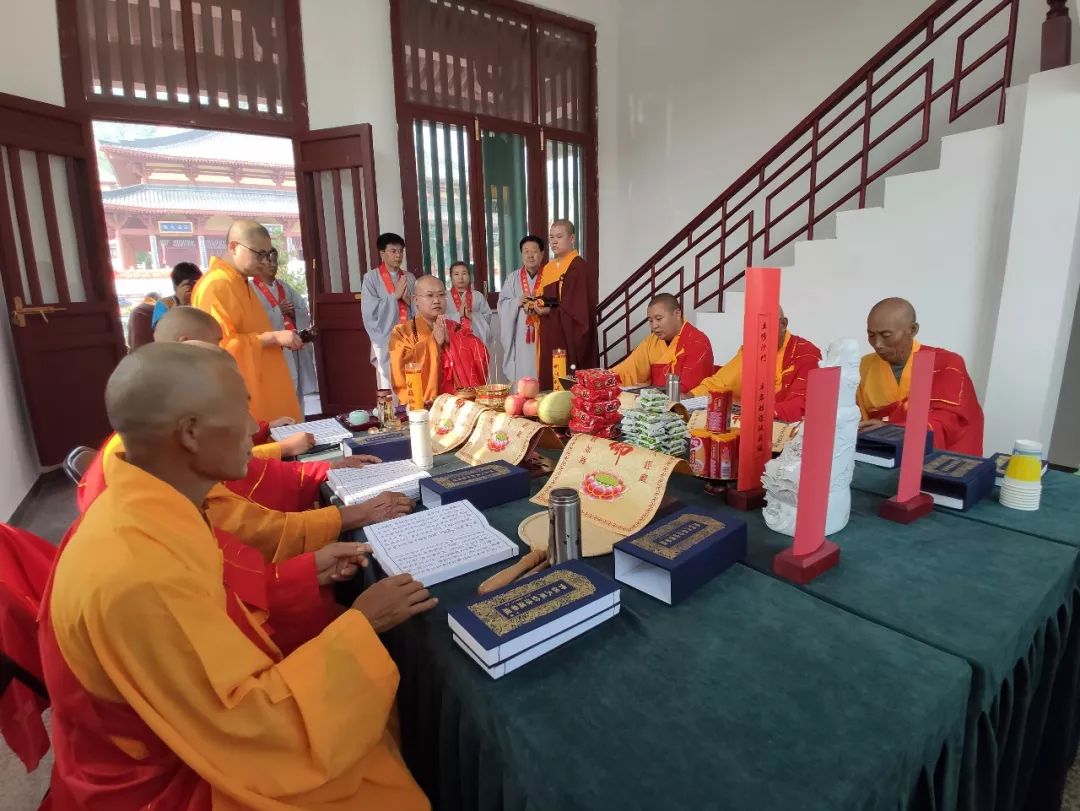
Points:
[[246, 331]]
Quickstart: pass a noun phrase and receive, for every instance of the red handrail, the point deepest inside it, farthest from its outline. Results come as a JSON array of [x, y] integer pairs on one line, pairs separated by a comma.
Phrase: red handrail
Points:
[[741, 220]]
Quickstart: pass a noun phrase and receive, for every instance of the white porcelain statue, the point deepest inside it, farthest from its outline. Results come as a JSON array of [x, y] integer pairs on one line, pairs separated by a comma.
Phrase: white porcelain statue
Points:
[[781, 477]]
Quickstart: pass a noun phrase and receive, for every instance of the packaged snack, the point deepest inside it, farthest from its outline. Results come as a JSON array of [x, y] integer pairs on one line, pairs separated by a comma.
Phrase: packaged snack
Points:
[[596, 395], [597, 408], [596, 378]]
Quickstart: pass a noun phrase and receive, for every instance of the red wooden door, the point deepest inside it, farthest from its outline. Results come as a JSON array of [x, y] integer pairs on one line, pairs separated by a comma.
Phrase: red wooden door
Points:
[[336, 188], [56, 273]]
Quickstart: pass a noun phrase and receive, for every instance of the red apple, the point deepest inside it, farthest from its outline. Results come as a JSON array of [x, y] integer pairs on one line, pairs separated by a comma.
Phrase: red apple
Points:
[[531, 408], [528, 387], [514, 405]]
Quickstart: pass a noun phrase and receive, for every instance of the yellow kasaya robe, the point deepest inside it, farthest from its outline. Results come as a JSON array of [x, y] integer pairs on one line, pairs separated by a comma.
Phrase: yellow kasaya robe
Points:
[[277, 535], [268, 450], [689, 355], [225, 294], [169, 694], [460, 363]]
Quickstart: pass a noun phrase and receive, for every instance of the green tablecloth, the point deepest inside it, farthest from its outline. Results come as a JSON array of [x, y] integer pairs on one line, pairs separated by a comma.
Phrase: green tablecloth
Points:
[[750, 695], [1057, 519], [1002, 601]]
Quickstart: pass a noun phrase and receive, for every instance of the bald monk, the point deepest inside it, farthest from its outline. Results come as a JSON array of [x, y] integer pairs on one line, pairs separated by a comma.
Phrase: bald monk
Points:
[[224, 292], [570, 289], [956, 418], [278, 485], [794, 359], [675, 346], [182, 324], [165, 697], [449, 355]]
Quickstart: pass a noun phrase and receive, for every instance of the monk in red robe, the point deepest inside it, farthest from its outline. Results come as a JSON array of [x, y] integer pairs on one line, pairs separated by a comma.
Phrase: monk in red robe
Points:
[[794, 359], [956, 418], [449, 356], [675, 346], [570, 289], [168, 690]]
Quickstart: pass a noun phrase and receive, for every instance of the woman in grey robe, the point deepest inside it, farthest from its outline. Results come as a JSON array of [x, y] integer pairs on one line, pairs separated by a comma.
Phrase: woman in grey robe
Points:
[[282, 302], [466, 305]]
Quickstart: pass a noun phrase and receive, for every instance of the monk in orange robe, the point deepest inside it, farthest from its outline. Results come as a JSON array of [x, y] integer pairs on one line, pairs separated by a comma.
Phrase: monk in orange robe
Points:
[[794, 359], [449, 355], [570, 288], [675, 346], [247, 335], [182, 324], [162, 695], [956, 418]]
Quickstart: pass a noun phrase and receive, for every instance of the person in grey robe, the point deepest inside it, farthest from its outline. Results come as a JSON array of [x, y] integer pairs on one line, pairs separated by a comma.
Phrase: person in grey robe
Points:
[[473, 301], [518, 288], [288, 309], [380, 307]]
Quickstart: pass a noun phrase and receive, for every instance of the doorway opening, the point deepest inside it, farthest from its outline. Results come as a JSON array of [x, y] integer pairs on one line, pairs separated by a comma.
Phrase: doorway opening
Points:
[[170, 195]]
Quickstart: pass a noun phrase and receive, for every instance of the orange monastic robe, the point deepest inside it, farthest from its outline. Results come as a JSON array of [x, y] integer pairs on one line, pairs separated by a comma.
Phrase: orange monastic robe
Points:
[[462, 361], [795, 359], [263, 447], [225, 294], [163, 697], [689, 355], [956, 418], [277, 535]]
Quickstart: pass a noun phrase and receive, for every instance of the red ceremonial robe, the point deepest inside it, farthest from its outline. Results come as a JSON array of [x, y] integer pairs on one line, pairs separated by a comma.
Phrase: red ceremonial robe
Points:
[[572, 324], [25, 562], [956, 418], [283, 486]]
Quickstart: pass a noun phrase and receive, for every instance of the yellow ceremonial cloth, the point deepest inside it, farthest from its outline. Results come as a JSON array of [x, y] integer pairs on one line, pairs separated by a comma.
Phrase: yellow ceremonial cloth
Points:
[[225, 294], [729, 376], [277, 535], [878, 386], [636, 368], [268, 450], [138, 610], [421, 349]]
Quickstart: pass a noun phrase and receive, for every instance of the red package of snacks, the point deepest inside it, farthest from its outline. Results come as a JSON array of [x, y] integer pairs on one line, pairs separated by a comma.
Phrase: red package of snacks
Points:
[[591, 421], [596, 378], [599, 408], [596, 395], [606, 432]]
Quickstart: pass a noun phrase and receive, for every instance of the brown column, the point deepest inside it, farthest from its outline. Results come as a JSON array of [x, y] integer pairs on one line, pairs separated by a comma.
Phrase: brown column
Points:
[[1056, 36]]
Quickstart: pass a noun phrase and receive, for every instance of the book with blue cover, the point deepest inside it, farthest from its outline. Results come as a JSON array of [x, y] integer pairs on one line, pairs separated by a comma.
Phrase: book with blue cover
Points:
[[487, 485], [677, 554], [956, 480], [390, 446], [512, 626], [1001, 461], [883, 445]]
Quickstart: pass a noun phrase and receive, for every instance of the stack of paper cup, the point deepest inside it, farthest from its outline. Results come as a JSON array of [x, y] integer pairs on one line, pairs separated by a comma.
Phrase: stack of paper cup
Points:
[[1022, 486]]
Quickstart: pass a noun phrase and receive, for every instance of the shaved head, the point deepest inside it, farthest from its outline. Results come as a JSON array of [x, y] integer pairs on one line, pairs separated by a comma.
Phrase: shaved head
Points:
[[782, 329], [187, 324], [184, 407], [246, 231], [665, 316], [891, 328], [429, 297]]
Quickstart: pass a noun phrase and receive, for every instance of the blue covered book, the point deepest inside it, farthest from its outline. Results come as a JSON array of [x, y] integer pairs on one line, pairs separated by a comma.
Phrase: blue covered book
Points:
[[512, 626], [487, 485], [956, 480], [884, 445], [390, 446], [675, 555]]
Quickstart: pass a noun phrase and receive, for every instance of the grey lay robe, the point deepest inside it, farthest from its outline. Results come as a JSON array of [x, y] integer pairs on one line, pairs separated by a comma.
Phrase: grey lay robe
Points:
[[481, 315], [302, 362], [380, 312], [519, 358]]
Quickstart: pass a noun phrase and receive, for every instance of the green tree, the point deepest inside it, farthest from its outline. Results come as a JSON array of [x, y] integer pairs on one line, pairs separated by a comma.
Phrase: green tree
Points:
[[296, 279]]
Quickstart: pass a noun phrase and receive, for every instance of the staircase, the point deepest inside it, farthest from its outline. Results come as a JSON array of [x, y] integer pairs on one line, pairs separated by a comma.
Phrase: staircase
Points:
[[946, 72]]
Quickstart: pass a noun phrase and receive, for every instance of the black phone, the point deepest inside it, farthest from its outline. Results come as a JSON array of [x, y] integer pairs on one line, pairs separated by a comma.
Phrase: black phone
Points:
[[307, 335]]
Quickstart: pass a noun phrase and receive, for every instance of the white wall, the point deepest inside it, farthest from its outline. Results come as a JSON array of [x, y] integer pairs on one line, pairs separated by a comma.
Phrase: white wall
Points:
[[706, 87]]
